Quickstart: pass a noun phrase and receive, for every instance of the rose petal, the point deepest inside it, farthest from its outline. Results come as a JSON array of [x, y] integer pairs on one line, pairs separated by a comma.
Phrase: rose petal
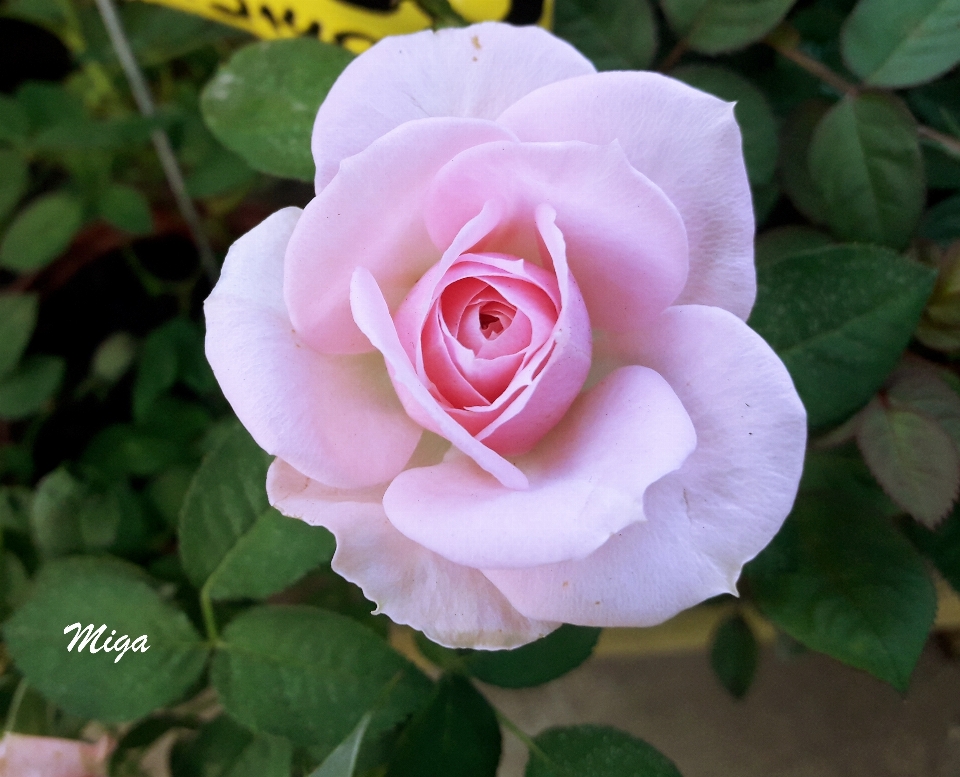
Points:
[[549, 384], [22, 755], [372, 316], [711, 516], [626, 242], [371, 216], [453, 605], [686, 142], [475, 72], [587, 479], [334, 417]]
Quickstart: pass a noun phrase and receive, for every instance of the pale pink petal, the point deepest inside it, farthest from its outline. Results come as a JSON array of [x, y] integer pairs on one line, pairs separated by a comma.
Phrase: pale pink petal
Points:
[[453, 605], [475, 72], [711, 516], [626, 242], [372, 316], [334, 417], [22, 755], [685, 141], [371, 216], [587, 480], [552, 382]]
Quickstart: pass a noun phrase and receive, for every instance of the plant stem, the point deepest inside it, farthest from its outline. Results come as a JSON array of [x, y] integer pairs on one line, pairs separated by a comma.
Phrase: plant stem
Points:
[[676, 54], [519, 733], [442, 13], [161, 142], [813, 67], [209, 619], [15, 703], [950, 144]]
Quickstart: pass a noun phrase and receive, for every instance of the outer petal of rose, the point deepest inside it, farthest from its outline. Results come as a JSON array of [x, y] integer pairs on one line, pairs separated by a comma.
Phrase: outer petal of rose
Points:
[[453, 605], [371, 216], [687, 142], [373, 318], [334, 417], [626, 242], [475, 72], [711, 516], [587, 479], [22, 755]]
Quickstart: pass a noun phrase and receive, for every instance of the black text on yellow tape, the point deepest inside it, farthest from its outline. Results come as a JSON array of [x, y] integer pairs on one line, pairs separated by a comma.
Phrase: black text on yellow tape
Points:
[[354, 24]]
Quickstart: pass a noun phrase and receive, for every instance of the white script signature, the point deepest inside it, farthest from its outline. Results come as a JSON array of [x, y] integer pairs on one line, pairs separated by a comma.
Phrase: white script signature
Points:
[[121, 645]]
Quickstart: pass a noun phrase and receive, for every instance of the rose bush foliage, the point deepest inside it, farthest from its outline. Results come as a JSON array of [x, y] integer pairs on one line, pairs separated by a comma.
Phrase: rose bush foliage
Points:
[[502, 354]]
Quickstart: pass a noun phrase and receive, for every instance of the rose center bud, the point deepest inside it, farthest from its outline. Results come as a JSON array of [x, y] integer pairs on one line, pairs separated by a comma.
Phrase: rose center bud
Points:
[[493, 320], [482, 333]]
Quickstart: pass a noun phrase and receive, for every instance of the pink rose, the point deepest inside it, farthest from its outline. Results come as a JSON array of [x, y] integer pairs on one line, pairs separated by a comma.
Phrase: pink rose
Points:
[[502, 354], [30, 756]]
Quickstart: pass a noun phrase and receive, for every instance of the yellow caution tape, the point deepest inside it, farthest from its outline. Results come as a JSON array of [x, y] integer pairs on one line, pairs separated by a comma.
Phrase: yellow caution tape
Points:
[[354, 24]]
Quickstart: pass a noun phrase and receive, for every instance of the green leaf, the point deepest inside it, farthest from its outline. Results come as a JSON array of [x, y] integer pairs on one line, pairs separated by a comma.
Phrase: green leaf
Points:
[[126, 208], [14, 123], [613, 34], [53, 517], [535, 664], [46, 105], [14, 584], [13, 180], [595, 751], [121, 450], [941, 546], [781, 242], [221, 171], [757, 124], [41, 232], [275, 552], [310, 675], [912, 457], [18, 317], [894, 44], [840, 579], [865, 160], [109, 686], [16, 502], [231, 541], [342, 761], [168, 490], [839, 318], [262, 103], [27, 389], [714, 26], [223, 748], [795, 174], [456, 733], [84, 134], [735, 655], [172, 352], [942, 222], [113, 357]]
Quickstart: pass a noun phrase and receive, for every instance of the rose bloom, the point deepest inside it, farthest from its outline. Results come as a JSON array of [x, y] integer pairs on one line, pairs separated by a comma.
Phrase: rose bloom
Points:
[[31, 756], [502, 354]]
